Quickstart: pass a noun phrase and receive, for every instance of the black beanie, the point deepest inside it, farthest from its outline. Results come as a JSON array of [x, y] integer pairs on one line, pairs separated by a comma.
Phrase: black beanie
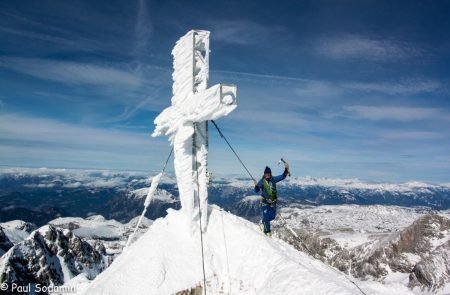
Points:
[[267, 170]]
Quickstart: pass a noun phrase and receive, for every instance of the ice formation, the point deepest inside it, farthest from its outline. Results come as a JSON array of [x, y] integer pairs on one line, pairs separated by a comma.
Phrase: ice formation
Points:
[[185, 121], [148, 199]]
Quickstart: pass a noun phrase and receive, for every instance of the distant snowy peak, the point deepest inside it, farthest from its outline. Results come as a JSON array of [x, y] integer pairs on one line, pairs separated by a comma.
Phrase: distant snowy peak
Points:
[[112, 233], [160, 195], [340, 184], [364, 185], [17, 230], [75, 178], [94, 227], [97, 227]]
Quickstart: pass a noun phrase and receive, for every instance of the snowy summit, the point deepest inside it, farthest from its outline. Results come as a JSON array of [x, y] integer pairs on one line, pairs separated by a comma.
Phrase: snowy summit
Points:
[[239, 259]]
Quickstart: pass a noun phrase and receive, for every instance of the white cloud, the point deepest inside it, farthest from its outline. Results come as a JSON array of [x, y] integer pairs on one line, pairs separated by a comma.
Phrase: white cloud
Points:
[[16, 127], [37, 141], [362, 47], [72, 72], [391, 113]]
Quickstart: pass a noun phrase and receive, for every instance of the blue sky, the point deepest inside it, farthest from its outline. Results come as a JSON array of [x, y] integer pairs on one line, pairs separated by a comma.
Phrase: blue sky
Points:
[[339, 88]]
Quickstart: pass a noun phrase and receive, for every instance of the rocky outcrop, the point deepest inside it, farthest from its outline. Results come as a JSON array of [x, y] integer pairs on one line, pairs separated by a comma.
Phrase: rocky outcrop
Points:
[[432, 272], [394, 253], [320, 248], [421, 250], [51, 256], [198, 290]]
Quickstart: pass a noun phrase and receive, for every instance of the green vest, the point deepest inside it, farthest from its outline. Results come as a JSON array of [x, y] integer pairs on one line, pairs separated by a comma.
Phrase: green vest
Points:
[[271, 194]]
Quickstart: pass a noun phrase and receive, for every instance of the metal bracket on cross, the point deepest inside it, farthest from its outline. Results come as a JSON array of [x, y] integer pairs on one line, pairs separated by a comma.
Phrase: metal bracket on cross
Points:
[[186, 120]]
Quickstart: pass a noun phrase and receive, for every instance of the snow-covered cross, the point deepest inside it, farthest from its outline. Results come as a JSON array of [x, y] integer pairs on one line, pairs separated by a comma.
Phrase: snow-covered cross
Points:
[[186, 120]]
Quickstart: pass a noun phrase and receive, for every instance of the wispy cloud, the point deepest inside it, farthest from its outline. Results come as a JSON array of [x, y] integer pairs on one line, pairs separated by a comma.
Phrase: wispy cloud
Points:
[[404, 114], [327, 88], [411, 135], [407, 87], [257, 76], [278, 119], [373, 49], [29, 28], [316, 88], [72, 72], [143, 29], [42, 37], [28, 22], [241, 32]]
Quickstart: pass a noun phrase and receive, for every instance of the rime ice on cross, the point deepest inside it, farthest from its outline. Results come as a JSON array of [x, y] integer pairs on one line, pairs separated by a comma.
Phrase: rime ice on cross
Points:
[[186, 120]]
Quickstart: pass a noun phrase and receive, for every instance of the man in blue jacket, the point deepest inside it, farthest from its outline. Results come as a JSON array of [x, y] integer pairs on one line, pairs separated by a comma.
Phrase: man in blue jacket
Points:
[[267, 186]]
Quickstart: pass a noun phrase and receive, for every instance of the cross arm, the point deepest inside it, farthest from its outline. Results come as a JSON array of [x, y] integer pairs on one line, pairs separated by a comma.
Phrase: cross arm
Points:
[[210, 104]]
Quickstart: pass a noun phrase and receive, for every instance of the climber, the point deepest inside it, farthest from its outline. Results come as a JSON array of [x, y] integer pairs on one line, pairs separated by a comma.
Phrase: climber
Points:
[[268, 188]]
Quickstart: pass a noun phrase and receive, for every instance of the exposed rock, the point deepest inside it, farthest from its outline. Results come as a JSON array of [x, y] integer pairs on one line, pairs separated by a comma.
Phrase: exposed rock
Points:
[[198, 290], [51, 256]]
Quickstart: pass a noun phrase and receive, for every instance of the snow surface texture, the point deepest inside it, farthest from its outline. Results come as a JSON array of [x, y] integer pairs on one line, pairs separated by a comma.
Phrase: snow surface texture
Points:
[[239, 259], [185, 121]]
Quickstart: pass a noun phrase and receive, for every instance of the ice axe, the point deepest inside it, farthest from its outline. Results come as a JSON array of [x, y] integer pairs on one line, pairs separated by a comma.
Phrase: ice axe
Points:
[[282, 160]]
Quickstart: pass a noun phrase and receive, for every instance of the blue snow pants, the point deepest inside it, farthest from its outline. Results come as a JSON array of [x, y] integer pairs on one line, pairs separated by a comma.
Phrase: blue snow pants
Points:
[[268, 214]]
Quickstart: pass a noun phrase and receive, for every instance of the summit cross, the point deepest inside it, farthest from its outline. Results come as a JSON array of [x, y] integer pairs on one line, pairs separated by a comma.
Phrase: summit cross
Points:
[[186, 120]]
